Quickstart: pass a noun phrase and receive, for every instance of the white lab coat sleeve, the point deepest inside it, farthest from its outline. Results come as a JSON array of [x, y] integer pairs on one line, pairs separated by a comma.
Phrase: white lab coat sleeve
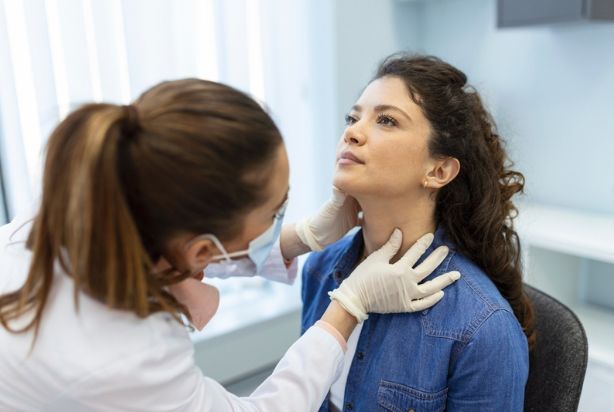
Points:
[[275, 267], [166, 379], [300, 382]]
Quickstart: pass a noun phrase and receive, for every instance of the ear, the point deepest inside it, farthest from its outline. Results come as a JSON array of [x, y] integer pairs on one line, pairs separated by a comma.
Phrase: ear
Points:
[[199, 252], [443, 171]]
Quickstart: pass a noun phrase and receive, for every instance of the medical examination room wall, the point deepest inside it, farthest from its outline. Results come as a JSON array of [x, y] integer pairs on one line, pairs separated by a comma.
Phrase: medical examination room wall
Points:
[[57, 54], [550, 89]]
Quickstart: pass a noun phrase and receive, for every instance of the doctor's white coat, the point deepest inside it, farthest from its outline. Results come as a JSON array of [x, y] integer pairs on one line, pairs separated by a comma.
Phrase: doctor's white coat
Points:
[[99, 359]]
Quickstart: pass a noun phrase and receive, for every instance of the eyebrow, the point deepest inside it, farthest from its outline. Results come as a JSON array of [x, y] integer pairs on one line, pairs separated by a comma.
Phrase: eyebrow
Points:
[[382, 108], [283, 200]]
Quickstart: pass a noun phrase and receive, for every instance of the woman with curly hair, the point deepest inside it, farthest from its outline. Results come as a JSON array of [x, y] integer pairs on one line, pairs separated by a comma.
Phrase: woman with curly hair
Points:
[[421, 153]]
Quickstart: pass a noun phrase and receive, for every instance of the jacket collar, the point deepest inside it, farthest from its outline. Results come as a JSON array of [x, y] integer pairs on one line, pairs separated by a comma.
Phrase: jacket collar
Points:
[[349, 256]]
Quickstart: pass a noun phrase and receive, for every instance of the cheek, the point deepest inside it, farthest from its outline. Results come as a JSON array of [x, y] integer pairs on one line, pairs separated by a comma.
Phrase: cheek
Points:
[[252, 224], [393, 168], [396, 164], [399, 162], [254, 227]]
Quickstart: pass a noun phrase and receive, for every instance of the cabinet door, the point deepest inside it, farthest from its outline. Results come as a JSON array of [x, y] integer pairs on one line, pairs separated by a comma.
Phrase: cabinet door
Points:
[[525, 12]]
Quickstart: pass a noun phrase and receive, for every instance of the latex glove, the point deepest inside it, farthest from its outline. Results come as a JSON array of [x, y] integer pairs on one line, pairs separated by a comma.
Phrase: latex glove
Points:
[[334, 219], [380, 287]]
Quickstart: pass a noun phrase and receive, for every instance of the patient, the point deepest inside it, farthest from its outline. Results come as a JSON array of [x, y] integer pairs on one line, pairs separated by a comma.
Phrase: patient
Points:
[[420, 152]]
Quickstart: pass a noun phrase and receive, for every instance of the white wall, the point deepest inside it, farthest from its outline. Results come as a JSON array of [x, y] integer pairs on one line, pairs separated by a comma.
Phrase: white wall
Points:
[[366, 32], [550, 88]]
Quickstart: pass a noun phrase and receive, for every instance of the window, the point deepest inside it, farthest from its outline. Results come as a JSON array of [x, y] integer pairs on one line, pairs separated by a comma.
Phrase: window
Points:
[[4, 216], [68, 52]]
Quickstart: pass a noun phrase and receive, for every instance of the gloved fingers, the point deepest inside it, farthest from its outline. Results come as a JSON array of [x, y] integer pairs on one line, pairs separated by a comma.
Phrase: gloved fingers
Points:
[[349, 205], [391, 247], [431, 262], [338, 197], [426, 302], [440, 282], [410, 257], [306, 235]]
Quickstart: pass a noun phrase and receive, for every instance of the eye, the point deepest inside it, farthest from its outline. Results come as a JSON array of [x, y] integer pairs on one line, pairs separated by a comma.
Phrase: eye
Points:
[[386, 120], [350, 120]]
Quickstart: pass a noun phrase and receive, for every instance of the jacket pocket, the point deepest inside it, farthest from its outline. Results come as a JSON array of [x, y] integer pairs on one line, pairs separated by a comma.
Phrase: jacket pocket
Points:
[[395, 397]]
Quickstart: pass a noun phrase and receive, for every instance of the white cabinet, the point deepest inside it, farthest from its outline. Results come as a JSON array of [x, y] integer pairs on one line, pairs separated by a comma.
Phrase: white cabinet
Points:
[[569, 254]]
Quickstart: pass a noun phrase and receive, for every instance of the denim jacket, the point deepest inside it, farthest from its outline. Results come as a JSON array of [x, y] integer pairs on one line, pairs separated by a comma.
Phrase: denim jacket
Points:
[[467, 353]]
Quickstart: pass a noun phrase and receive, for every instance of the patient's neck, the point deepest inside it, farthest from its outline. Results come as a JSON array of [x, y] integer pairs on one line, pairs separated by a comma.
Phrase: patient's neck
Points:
[[414, 217]]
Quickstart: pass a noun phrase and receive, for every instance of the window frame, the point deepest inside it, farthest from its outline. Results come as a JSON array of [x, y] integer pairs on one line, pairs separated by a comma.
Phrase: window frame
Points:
[[4, 206]]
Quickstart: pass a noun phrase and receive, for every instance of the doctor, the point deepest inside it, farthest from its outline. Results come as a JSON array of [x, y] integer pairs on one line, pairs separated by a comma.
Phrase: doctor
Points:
[[137, 201]]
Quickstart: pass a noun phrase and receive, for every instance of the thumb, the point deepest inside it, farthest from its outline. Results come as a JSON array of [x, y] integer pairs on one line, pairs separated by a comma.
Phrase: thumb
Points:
[[391, 247]]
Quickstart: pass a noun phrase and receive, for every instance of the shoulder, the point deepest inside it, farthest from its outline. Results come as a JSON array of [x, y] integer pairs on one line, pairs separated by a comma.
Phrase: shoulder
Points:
[[469, 304], [477, 284]]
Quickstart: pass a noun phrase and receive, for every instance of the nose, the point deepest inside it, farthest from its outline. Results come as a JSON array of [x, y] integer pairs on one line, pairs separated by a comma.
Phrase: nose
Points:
[[353, 135]]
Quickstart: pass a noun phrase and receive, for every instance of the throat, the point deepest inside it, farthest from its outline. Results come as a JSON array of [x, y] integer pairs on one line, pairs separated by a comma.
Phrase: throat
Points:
[[377, 231]]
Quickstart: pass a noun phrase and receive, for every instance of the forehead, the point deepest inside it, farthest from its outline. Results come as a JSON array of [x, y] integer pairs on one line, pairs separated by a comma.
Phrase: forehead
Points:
[[387, 90]]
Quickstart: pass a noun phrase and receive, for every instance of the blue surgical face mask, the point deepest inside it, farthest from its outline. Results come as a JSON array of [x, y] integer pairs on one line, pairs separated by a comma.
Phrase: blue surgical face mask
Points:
[[253, 258]]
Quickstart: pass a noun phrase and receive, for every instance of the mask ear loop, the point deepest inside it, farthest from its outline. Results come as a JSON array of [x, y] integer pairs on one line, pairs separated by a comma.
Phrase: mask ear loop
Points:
[[282, 210], [225, 256]]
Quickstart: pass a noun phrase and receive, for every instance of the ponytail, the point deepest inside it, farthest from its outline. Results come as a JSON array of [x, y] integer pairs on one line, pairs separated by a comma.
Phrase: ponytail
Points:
[[120, 182], [85, 223]]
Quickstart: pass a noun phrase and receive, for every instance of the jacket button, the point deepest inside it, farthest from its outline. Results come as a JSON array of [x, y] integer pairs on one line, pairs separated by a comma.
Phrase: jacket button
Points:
[[338, 275], [360, 355], [349, 406]]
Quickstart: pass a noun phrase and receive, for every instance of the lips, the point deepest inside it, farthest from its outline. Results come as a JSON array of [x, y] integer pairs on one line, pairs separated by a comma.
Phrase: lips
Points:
[[348, 157]]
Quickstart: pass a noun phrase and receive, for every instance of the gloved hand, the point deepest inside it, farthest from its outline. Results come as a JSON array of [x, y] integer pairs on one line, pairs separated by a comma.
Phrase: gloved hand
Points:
[[380, 287], [334, 219]]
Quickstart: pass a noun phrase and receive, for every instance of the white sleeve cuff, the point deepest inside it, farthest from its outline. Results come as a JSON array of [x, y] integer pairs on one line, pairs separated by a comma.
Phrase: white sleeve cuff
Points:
[[275, 268]]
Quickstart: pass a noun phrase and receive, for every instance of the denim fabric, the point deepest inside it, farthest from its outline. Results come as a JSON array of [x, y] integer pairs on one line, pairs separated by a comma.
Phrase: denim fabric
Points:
[[467, 353]]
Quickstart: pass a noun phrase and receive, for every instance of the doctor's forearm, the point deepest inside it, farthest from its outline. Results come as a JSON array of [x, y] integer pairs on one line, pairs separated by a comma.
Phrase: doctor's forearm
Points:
[[340, 319], [291, 245]]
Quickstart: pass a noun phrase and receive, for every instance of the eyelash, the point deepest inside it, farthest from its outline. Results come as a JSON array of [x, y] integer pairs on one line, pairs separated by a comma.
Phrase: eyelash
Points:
[[383, 119], [349, 120], [386, 120]]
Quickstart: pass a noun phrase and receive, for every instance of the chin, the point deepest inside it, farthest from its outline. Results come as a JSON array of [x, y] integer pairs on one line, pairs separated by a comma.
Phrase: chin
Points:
[[360, 186], [350, 186]]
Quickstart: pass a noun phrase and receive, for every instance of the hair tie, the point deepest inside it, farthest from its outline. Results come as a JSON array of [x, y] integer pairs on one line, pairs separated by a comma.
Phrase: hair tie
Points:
[[131, 124]]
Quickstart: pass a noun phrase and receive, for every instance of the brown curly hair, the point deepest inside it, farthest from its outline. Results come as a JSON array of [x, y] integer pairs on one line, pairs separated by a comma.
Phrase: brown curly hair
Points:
[[475, 208]]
